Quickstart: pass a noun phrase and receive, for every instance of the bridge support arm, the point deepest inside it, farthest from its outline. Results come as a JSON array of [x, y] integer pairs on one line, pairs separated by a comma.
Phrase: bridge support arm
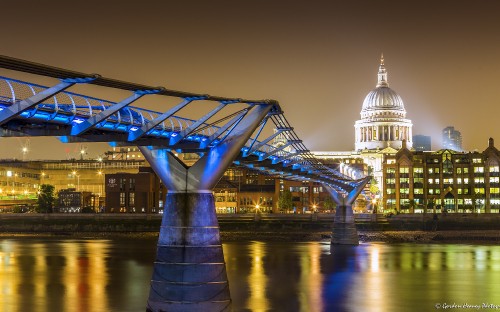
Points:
[[17, 108], [344, 228], [189, 273]]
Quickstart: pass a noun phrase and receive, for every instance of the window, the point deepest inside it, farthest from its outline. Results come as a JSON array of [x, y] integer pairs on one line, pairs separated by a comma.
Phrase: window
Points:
[[123, 182], [131, 201], [418, 170], [494, 179], [390, 191], [495, 190], [404, 170], [476, 160], [390, 170], [494, 169], [418, 191], [122, 198], [478, 169], [479, 180], [131, 186]]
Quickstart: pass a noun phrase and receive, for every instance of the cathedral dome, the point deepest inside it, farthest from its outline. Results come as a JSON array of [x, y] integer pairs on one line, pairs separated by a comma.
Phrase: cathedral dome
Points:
[[383, 101], [383, 120], [383, 98]]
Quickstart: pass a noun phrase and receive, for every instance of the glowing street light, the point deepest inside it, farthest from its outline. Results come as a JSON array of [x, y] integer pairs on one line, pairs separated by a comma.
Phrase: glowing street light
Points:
[[74, 173]]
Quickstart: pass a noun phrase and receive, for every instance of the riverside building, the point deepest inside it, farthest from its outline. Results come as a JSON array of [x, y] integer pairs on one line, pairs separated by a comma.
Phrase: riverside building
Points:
[[442, 181]]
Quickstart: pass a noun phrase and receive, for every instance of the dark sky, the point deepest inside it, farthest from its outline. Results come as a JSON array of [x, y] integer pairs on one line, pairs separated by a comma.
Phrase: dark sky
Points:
[[319, 59]]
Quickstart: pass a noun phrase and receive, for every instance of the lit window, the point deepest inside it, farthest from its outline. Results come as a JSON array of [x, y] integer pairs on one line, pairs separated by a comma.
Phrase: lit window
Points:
[[478, 169], [494, 179], [479, 180], [494, 169]]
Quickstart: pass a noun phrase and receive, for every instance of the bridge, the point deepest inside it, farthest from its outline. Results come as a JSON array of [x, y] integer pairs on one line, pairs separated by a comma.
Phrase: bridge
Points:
[[189, 272]]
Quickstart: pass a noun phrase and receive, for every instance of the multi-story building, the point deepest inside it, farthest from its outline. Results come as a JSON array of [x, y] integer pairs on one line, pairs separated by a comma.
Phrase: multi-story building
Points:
[[20, 180], [422, 142], [442, 181], [140, 192], [452, 139]]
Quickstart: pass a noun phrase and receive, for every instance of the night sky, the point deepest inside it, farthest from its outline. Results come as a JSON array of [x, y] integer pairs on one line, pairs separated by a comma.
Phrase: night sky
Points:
[[319, 59]]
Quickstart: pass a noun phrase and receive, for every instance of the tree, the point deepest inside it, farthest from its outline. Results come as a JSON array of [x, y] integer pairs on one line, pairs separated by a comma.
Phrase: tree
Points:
[[411, 204], [328, 203], [431, 205], [46, 198], [285, 200]]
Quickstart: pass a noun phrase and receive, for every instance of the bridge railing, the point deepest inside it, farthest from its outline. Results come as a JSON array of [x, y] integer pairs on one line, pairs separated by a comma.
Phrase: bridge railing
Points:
[[280, 153]]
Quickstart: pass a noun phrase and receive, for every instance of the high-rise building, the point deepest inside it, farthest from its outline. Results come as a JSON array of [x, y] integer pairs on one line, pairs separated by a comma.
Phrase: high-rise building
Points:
[[422, 142], [452, 139], [383, 120]]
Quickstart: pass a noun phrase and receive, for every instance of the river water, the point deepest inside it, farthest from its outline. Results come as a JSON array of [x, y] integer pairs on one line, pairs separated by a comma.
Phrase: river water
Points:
[[94, 275]]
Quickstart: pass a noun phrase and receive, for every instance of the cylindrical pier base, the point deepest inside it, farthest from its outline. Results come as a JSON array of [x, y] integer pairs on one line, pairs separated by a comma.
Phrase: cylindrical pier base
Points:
[[344, 228], [189, 272]]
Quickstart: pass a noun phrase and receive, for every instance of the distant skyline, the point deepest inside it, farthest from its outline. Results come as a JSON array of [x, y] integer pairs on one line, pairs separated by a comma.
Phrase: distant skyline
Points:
[[319, 59]]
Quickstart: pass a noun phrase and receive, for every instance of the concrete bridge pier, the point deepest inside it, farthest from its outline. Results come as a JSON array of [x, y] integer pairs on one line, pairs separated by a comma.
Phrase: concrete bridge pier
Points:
[[189, 272], [344, 230]]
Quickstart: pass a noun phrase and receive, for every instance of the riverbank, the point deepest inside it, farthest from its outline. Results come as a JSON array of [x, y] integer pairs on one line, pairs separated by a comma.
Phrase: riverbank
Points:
[[483, 237]]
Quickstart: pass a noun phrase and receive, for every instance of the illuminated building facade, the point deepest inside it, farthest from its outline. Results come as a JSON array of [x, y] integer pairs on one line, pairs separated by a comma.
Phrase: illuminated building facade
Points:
[[445, 180]]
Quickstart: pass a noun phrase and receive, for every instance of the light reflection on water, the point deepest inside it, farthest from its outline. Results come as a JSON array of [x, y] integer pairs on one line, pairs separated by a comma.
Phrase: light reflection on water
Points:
[[54, 274]]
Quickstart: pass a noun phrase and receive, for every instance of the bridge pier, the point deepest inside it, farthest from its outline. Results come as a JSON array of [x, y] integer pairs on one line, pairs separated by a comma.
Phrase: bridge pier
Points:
[[344, 228], [189, 272]]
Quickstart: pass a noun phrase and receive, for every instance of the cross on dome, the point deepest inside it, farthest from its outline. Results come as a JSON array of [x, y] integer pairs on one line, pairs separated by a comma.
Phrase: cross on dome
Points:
[[382, 74]]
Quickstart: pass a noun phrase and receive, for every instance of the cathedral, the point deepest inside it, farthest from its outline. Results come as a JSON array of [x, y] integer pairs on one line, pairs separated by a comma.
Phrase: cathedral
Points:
[[382, 130], [383, 120]]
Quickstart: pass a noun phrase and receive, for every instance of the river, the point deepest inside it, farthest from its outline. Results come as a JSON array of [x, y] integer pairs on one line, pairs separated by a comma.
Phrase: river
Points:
[[46, 274]]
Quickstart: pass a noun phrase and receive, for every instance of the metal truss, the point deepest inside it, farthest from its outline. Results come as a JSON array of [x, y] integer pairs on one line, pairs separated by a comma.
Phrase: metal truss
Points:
[[28, 109]]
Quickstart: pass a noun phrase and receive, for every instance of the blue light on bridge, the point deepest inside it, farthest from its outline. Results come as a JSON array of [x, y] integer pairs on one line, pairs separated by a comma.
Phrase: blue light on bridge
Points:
[[78, 120]]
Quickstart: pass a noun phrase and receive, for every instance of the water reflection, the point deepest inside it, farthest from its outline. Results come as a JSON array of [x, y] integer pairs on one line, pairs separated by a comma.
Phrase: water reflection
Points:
[[369, 277], [69, 275], [113, 275]]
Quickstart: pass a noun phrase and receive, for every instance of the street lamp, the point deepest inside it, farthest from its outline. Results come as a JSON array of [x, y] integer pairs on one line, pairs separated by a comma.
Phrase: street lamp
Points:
[[78, 179]]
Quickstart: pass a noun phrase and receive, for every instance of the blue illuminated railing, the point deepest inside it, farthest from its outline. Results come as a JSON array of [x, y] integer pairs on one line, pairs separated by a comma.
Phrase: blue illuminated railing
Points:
[[290, 158]]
